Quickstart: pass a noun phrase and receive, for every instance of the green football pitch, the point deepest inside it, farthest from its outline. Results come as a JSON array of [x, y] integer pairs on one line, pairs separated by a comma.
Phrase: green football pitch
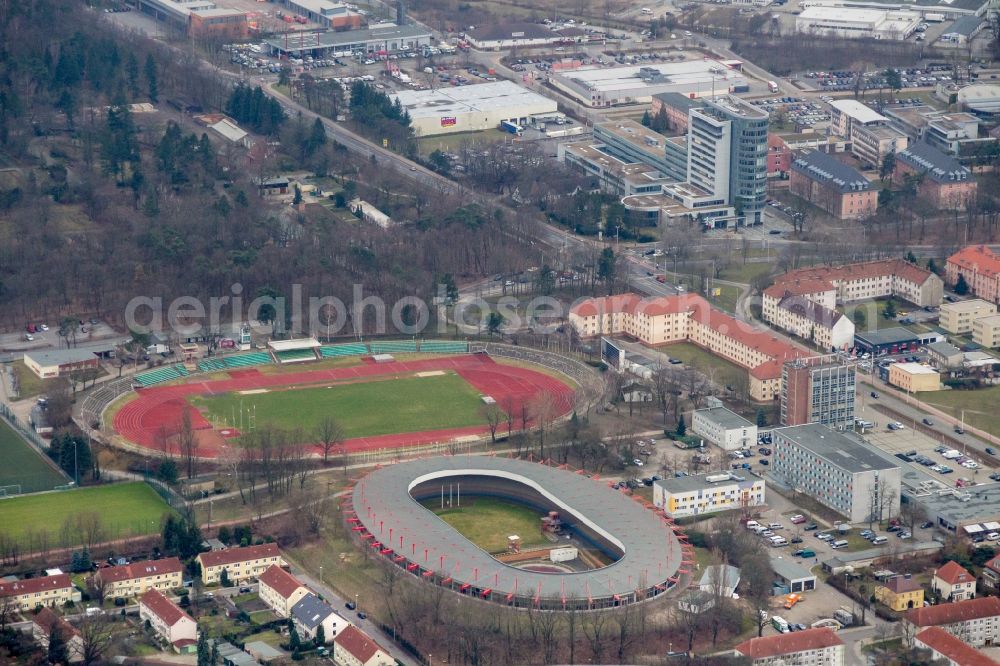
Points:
[[363, 409], [488, 522], [23, 465], [124, 509]]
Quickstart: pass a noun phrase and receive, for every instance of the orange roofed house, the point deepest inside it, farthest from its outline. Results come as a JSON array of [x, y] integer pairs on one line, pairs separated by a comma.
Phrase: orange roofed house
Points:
[[280, 590], [689, 317], [953, 582], [951, 650], [240, 563], [28, 593], [980, 266], [975, 621], [812, 647], [132, 580], [169, 622], [45, 621], [356, 648]]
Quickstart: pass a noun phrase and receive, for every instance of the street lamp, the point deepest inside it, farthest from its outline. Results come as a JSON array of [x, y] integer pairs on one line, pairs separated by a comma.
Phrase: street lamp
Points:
[[321, 574]]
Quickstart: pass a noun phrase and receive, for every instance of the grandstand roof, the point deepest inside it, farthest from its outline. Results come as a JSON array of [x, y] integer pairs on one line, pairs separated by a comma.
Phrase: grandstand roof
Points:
[[651, 550], [289, 345]]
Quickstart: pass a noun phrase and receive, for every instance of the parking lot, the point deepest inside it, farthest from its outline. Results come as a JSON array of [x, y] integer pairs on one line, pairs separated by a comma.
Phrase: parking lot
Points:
[[801, 112], [839, 80]]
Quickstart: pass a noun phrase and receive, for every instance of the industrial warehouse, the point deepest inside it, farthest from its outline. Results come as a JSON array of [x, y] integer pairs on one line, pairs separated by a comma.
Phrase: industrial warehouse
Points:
[[385, 38], [472, 108], [636, 84]]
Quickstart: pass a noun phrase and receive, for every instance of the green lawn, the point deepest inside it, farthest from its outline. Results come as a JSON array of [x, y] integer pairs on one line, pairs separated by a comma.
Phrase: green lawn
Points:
[[705, 362], [726, 300], [125, 509], [488, 522], [980, 406], [29, 384], [745, 273], [363, 409], [23, 465]]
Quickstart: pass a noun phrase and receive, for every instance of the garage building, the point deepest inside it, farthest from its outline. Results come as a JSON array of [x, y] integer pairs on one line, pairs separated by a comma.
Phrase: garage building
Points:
[[472, 108]]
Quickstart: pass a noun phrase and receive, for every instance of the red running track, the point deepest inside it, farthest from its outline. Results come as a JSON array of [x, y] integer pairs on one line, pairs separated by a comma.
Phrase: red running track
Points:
[[154, 416]]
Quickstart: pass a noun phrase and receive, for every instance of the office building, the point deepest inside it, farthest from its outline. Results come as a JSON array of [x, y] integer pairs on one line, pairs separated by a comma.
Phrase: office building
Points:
[[869, 132], [632, 142], [820, 389], [944, 355], [837, 188], [838, 469], [914, 377], [857, 23], [958, 317], [941, 180], [332, 15], [980, 266], [707, 493], [986, 331], [724, 428]]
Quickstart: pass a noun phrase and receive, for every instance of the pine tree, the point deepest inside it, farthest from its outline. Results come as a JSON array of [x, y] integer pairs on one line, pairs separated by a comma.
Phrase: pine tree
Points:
[[58, 649], [320, 635], [646, 119], [151, 79], [761, 418], [681, 426], [224, 579], [294, 642], [204, 656], [961, 287]]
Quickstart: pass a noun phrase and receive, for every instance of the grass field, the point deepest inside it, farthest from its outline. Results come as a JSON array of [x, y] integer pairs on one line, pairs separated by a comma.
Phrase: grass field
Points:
[[23, 465], [488, 522], [980, 406], [380, 407], [29, 384], [125, 509], [705, 362]]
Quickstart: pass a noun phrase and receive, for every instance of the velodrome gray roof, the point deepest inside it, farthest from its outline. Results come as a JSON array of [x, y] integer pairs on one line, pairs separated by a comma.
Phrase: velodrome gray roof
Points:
[[934, 164], [652, 553], [724, 417], [790, 570], [843, 449], [825, 169]]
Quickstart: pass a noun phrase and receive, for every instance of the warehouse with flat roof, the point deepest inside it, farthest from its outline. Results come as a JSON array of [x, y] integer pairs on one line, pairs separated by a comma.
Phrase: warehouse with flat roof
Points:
[[471, 108], [385, 38]]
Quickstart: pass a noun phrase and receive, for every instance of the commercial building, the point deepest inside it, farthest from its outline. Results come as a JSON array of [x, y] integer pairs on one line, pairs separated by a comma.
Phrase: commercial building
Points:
[[941, 180], [976, 621], [707, 493], [964, 30], [887, 341], [724, 428], [167, 619], [792, 576], [958, 317], [132, 580], [837, 188], [356, 648], [197, 18], [868, 131], [310, 613], [280, 590], [384, 38], [980, 98], [632, 142], [953, 583], [518, 34], [45, 622], [945, 355], [676, 107], [857, 23], [980, 266], [472, 108], [29, 593], [954, 133], [602, 87], [900, 593], [48, 363], [838, 469], [333, 15], [954, 509], [811, 647], [951, 650], [239, 563], [820, 389], [689, 317], [914, 377], [986, 331], [613, 175]]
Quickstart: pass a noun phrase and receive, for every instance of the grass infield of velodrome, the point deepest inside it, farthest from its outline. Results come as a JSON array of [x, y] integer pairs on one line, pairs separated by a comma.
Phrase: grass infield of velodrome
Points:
[[23, 465], [380, 406], [488, 522], [125, 509]]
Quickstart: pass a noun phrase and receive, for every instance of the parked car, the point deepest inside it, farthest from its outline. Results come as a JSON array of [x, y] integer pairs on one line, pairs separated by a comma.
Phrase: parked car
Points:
[[810, 527], [926, 525], [928, 422]]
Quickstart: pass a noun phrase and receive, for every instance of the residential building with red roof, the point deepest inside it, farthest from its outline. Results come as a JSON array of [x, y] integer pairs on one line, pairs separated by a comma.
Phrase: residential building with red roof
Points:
[[689, 317], [952, 650], [47, 620], [27, 593], [812, 647], [975, 621], [990, 575], [356, 648], [280, 590], [132, 580], [980, 266], [953, 582], [167, 619], [240, 563]]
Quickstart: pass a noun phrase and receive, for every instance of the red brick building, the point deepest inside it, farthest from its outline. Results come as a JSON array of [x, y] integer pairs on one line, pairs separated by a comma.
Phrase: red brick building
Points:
[[779, 155], [942, 181], [833, 186]]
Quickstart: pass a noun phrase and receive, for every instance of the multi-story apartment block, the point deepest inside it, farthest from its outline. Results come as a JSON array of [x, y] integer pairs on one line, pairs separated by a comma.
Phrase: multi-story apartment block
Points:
[[986, 331], [837, 188], [707, 493], [950, 650], [802, 316], [356, 648], [851, 283], [868, 131], [942, 180], [724, 428], [900, 593], [990, 575], [689, 317], [132, 580], [280, 590], [240, 563], [958, 317], [838, 469], [820, 389], [812, 647], [980, 266], [975, 621], [30, 593], [168, 620], [953, 583]]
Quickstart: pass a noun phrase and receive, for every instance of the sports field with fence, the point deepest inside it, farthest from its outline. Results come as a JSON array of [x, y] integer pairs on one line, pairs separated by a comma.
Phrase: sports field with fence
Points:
[[23, 465]]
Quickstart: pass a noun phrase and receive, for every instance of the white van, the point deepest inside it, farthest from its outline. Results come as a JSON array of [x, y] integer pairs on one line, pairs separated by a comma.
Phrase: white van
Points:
[[839, 543], [752, 524], [774, 526], [778, 541], [878, 541]]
